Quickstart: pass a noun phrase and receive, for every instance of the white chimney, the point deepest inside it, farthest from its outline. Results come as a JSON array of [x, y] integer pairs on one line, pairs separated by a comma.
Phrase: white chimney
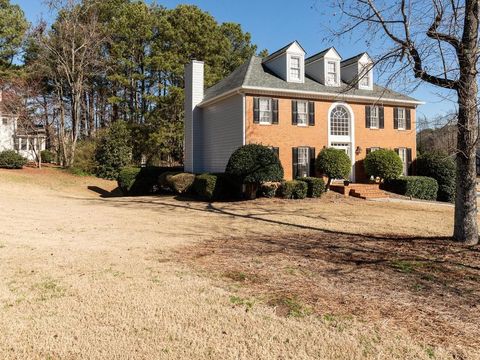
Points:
[[194, 82]]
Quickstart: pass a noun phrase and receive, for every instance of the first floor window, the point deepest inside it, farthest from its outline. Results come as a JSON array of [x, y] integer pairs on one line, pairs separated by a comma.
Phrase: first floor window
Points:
[[403, 153], [374, 118], [23, 143], [265, 106], [402, 122], [16, 143], [302, 113], [5, 121]]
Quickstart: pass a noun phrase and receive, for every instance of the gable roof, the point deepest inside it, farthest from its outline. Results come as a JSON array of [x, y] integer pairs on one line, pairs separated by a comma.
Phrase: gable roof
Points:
[[282, 50], [254, 75], [353, 59], [320, 55]]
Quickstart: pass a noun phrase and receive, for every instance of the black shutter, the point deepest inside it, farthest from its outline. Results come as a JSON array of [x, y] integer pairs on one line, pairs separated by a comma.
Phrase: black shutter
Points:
[[274, 111], [294, 163], [276, 150], [381, 117], [409, 161], [312, 162], [294, 113], [256, 110], [368, 111], [311, 113], [409, 119], [395, 118], [397, 150], [369, 150]]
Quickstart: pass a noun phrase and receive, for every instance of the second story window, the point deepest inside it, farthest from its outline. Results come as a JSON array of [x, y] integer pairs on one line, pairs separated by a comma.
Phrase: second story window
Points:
[[302, 113], [402, 122], [295, 68], [265, 111], [374, 118], [339, 121], [331, 73]]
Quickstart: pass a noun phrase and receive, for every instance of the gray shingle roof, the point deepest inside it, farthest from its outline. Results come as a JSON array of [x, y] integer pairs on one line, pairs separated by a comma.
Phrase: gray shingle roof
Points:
[[319, 55], [254, 74], [351, 60], [279, 51]]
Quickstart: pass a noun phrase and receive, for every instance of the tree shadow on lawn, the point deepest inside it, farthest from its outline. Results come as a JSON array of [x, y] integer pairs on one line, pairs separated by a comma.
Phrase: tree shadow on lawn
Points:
[[428, 286]]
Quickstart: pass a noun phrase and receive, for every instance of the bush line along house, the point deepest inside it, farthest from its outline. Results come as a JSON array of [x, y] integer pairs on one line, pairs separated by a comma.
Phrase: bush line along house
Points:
[[297, 106]]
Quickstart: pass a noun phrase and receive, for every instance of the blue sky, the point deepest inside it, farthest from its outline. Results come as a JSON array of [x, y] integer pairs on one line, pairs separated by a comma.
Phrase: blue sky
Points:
[[273, 24]]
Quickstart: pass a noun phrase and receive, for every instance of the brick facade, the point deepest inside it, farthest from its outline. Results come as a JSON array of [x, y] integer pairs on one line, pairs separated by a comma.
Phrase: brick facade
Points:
[[286, 136]]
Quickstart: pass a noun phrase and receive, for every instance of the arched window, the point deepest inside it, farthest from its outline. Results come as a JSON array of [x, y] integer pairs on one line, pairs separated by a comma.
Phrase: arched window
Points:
[[340, 121]]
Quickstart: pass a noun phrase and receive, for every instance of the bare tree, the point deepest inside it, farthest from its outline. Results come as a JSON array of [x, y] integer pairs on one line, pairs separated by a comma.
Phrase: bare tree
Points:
[[69, 53], [437, 41]]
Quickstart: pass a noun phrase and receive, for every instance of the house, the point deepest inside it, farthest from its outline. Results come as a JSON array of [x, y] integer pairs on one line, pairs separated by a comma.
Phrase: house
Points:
[[27, 141], [297, 105]]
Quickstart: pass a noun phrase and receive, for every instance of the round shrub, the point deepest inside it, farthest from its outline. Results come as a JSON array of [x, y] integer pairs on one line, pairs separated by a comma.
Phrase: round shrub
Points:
[[180, 183], [443, 169], [254, 164], [9, 159], [113, 151], [333, 163], [384, 164], [47, 156], [316, 186]]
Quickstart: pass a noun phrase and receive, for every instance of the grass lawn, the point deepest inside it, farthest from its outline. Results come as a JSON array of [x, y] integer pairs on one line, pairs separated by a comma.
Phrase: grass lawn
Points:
[[87, 276]]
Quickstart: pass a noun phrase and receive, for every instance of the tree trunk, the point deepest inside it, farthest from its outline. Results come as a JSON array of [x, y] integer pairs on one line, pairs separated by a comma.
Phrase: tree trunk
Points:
[[465, 228]]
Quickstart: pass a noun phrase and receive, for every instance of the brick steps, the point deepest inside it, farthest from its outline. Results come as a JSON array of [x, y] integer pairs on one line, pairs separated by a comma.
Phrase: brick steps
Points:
[[361, 191]]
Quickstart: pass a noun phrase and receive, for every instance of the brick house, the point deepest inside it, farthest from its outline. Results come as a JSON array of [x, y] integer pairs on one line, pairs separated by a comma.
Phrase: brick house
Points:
[[298, 106]]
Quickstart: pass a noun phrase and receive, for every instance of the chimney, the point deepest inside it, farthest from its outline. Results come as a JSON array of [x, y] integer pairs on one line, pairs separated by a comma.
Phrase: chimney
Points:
[[194, 79]]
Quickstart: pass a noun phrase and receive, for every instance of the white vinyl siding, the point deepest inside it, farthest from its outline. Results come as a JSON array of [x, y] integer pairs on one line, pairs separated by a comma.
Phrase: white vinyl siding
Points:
[[221, 133]]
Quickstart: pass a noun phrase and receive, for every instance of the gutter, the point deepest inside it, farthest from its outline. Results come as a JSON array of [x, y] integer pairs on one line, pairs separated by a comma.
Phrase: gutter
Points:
[[313, 94]]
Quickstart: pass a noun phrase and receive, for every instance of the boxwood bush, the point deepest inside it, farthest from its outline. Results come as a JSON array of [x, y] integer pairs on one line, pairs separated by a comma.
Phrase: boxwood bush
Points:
[[443, 169], [294, 189], [333, 163], [269, 189], [9, 159], [141, 181], [420, 187], [179, 183], [210, 187], [383, 163], [316, 186]]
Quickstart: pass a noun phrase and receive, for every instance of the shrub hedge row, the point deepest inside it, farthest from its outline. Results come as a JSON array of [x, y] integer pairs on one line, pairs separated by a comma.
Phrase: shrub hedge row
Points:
[[420, 187], [443, 169], [316, 186], [294, 189], [141, 181]]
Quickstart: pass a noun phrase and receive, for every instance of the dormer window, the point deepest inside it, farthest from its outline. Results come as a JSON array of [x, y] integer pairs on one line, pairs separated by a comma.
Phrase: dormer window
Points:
[[295, 68], [332, 73], [365, 80]]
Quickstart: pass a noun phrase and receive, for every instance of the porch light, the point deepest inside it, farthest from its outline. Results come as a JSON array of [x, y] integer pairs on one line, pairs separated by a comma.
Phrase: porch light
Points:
[[358, 150]]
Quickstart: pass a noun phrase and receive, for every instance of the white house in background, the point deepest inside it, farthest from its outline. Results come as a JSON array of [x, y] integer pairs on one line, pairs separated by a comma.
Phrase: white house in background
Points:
[[26, 142]]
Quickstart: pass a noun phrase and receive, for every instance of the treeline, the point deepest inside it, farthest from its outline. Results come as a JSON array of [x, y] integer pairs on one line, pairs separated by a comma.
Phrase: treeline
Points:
[[103, 61]]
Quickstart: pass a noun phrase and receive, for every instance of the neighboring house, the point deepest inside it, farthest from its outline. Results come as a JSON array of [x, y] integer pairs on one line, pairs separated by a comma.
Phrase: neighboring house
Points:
[[27, 142], [297, 106]]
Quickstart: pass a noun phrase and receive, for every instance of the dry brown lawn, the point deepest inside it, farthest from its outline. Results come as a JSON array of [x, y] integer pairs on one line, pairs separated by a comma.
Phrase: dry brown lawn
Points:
[[87, 276]]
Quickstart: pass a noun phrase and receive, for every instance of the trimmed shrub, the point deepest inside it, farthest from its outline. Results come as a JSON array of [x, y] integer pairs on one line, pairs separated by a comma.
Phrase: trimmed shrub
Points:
[[333, 163], [253, 165], [316, 186], [443, 169], [420, 187], [207, 186], [269, 189], [294, 189], [180, 183], [47, 156], [163, 180], [84, 162], [126, 178], [383, 163], [9, 159], [113, 151], [145, 181]]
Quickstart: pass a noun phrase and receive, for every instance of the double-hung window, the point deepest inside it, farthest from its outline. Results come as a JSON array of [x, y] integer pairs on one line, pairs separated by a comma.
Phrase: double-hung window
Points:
[[365, 77], [295, 68], [265, 107], [402, 122], [331, 73], [302, 113], [374, 118]]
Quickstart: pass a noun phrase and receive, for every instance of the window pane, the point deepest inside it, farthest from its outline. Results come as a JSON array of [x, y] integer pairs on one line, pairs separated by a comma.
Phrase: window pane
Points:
[[374, 121], [339, 121]]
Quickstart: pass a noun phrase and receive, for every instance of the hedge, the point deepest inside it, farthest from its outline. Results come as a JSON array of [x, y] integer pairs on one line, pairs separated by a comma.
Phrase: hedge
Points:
[[269, 189], [9, 159], [294, 189], [420, 187], [179, 182], [443, 169], [210, 186], [316, 186], [47, 156], [141, 181]]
